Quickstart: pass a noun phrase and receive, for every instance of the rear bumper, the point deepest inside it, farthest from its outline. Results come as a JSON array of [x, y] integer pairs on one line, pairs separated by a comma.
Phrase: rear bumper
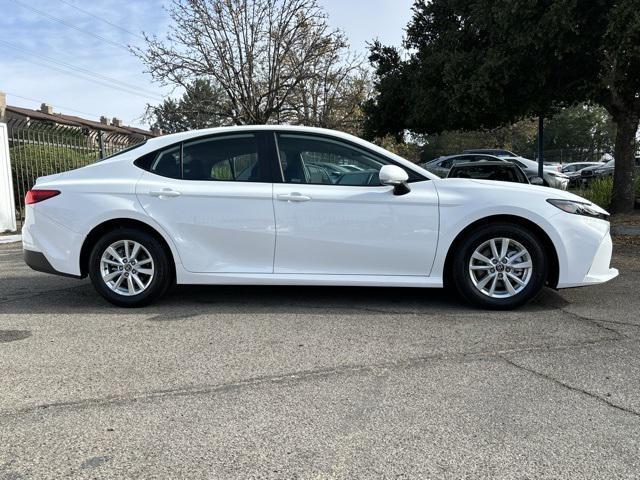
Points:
[[59, 245], [38, 262]]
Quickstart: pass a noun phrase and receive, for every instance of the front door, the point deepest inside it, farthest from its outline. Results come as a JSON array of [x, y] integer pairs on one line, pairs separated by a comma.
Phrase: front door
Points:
[[346, 223], [214, 197]]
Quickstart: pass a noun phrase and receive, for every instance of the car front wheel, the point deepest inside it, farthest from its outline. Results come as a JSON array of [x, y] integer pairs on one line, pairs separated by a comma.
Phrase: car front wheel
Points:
[[500, 266], [129, 267]]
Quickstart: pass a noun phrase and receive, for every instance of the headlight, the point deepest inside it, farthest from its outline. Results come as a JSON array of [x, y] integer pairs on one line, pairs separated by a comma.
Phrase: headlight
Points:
[[578, 208]]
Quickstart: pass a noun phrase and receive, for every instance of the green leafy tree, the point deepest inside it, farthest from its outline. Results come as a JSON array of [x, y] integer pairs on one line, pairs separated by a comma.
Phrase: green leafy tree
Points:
[[479, 64], [201, 106], [584, 131]]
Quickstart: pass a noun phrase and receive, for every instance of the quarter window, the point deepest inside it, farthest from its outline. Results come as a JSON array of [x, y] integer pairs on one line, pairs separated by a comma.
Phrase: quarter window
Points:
[[167, 163]]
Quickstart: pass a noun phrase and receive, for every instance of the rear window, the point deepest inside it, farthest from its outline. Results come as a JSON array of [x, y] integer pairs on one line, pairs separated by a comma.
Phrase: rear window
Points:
[[489, 172], [122, 152]]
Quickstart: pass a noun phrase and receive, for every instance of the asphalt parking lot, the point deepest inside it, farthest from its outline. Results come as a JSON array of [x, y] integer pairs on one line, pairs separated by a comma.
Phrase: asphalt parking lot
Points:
[[248, 382]]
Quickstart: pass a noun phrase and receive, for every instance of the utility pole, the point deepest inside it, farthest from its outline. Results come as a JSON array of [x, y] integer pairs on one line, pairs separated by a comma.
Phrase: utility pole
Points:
[[540, 146]]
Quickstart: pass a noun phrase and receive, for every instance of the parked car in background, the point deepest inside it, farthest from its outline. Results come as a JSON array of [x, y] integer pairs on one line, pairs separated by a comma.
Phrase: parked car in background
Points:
[[550, 175], [500, 171], [601, 170], [441, 166], [572, 170], [236, 206], [568, 168]]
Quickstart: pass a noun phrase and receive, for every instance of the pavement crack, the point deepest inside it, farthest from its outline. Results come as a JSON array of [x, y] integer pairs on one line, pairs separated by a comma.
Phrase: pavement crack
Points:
[[294, 376], [569, 387], [593, 321]]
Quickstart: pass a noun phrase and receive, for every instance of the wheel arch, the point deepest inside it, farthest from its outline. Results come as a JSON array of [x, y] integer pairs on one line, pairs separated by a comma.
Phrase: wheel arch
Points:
[[554, 263], [109, 225]]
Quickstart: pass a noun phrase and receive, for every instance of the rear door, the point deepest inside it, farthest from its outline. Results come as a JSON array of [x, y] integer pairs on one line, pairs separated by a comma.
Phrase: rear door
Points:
[[213, 196]]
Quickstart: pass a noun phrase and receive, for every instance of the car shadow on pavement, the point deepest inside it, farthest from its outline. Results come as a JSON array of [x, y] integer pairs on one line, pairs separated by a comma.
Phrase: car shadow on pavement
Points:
[[187, 300]]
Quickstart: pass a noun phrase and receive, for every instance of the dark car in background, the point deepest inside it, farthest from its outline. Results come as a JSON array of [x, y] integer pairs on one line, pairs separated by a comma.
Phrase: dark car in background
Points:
[[587, 175], [500, 171], [572, 170]]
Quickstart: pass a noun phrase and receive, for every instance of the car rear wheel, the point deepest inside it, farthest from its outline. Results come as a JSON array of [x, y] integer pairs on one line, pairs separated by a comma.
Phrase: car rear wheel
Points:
[[129, 268], [500, 266]]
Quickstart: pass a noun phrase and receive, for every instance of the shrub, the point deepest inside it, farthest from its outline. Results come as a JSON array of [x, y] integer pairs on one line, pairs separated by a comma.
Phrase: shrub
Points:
[[29, 162], [599, 191]]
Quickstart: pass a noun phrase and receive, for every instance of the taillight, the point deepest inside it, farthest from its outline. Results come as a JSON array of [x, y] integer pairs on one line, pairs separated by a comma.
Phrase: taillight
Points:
[[35, 196]]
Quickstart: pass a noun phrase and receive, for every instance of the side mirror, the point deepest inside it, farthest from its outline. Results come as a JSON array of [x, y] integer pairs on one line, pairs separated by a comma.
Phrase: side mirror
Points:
[[396, 177], [536, 181]]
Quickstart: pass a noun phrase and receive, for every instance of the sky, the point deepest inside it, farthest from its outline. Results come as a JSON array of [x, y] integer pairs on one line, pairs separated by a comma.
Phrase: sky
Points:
[[47, 56]]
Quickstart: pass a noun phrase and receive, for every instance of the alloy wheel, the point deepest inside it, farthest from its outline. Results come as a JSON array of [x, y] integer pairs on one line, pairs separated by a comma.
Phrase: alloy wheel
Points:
[[500, 268], [127, 267]]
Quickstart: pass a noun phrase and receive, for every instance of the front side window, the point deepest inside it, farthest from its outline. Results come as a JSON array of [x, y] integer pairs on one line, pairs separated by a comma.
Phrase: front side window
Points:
[[229, 159], [325, 161]]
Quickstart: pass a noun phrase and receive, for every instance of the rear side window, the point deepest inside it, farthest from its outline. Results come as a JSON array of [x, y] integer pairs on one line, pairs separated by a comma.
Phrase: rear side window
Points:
[[229, 158]]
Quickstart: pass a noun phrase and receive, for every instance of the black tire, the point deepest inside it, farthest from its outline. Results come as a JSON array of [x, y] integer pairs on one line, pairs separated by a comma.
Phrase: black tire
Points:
[[462, 277], [162, 276]]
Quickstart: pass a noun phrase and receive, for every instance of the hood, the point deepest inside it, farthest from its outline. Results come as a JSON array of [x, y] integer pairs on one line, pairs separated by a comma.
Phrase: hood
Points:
[[512, 188], [604, 166]]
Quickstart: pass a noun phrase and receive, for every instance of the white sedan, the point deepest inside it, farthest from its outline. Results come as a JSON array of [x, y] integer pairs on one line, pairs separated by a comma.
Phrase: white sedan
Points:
[[257, 205]]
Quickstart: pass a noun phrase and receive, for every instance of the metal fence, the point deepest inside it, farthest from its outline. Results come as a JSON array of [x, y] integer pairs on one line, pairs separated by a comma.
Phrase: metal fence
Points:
[[573, 155], [37, 149]]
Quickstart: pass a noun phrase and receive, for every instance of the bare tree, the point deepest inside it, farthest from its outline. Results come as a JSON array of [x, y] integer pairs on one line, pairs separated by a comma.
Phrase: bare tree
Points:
[[333, 95], [260, 53]]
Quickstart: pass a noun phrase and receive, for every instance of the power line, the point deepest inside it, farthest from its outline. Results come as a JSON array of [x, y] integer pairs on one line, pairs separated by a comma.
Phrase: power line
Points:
[[101, 19], [70, 25], [85, 71], [56, 105], [104, 84]]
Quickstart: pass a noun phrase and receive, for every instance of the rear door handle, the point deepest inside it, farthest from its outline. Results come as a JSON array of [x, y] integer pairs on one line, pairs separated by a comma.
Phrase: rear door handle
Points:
[[167, 192], [293, 197]]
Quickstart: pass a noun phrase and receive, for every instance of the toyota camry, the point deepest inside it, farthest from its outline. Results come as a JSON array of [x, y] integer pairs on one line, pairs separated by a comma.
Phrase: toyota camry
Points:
[[275, 205]]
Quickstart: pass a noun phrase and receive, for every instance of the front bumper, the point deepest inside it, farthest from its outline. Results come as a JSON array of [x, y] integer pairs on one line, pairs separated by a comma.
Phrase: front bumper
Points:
[[589, 262], [558, 182]]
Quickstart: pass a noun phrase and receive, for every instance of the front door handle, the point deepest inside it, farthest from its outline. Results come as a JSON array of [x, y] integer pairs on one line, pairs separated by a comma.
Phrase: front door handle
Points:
[[293, 197], [165, 192]]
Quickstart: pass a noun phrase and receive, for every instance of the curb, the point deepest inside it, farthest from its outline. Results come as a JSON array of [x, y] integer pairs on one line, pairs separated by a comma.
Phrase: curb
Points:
[[10, 239], [627, 230]]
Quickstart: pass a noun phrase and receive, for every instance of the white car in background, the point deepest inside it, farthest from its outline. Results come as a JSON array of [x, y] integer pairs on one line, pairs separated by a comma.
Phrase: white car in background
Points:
[[551, 175], [240, 206]]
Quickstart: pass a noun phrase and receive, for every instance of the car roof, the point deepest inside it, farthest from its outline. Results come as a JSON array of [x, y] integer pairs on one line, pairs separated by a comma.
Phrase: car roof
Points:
[[480, 150], [167, 140], [493, 157], [496, 163]]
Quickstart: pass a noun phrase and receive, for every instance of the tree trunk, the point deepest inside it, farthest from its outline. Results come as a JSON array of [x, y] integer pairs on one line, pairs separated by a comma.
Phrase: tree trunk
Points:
[[624, 154]]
